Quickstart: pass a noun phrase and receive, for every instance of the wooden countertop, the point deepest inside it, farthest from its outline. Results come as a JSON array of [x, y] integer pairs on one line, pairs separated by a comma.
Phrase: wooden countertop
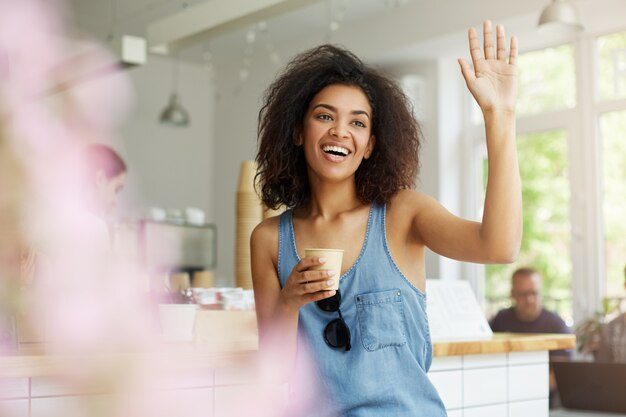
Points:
[[505, 342], [32, 362]]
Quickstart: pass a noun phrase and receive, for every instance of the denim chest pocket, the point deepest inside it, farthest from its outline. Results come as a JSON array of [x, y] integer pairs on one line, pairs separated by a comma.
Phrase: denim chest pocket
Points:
[[381, 319]]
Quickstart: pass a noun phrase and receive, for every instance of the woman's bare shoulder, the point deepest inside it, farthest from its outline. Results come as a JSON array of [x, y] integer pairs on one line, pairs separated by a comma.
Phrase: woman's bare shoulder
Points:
[[410, 201], [266, 232]]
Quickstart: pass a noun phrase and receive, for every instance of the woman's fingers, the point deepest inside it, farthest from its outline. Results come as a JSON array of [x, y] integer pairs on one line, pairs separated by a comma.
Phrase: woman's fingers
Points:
[[466, 70], [475, 52], [488, 40], [319, 295], [306, 263], [489, 51], [501, 43], [513, 51], [313, 281]]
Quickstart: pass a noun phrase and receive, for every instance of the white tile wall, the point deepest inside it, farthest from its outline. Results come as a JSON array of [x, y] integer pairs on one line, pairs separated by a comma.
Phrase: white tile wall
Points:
[[71, 406], [536, 408], [443, 363], [499, 410], [484, 386], [528, 382], [494, 385], [486, 383], [521, 358], [14, 408], [13, 388], [249, 400], [234, 376], [482, 361], [196, 402], [200, 379], [54, 386], [449, 384]]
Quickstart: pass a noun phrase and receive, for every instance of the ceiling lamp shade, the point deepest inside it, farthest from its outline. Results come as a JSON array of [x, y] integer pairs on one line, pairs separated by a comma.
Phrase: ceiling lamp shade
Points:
[[560, 16], [174, 113]]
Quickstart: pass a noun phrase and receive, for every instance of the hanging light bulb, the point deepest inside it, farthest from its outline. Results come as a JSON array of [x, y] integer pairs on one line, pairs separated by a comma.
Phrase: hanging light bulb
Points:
[[560, 16], [174, 113]]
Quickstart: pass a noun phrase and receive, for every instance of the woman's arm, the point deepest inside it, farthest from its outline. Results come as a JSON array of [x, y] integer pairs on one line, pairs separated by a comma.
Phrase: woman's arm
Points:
[[277, 308], [493, 83]]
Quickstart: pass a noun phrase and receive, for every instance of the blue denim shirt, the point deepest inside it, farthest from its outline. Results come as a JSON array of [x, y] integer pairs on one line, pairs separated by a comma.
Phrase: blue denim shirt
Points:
[[384, 374]]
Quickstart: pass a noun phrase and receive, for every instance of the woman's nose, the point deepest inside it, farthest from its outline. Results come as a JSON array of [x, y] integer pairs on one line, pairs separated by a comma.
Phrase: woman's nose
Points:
[[338, 131]]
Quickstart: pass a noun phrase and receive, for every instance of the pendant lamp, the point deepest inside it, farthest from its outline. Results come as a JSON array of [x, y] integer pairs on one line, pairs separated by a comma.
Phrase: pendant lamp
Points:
[[174, 113], [560, 16]]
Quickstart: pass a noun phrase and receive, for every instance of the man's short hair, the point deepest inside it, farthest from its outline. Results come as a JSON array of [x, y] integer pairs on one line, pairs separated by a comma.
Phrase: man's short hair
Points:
[[525, 271]]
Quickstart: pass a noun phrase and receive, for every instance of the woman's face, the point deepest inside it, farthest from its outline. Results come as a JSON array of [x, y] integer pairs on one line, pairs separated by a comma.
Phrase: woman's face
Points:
[[337, 132], [107, 190]]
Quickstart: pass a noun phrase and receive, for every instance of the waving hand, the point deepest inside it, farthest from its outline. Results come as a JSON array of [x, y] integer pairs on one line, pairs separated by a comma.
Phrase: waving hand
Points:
[[493, 80]]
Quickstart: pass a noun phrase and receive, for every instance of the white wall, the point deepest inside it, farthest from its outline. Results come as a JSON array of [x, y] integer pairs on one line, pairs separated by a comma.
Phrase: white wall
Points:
[[170, 167]]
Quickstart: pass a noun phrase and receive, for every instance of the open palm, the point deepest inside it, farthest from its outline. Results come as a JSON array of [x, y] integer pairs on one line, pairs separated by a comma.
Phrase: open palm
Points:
[[492, 80]]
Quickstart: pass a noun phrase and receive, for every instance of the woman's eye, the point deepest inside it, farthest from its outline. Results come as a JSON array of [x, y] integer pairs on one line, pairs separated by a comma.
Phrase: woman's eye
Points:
[[359, 123], [324, 117]]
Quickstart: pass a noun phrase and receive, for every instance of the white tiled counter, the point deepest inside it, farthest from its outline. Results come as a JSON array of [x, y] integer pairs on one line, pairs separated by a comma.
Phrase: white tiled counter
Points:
[[505, 376]]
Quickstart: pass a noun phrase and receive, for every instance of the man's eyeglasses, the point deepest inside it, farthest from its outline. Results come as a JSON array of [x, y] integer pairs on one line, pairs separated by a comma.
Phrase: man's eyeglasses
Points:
[[525, 294], [336, 332]]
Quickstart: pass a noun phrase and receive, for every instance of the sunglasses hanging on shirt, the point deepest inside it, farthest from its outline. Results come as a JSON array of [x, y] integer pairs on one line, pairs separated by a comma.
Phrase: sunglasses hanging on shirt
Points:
[[336, 332]]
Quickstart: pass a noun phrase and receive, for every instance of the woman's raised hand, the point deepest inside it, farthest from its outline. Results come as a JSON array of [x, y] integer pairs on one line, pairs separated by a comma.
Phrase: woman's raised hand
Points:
[[493, 80], [305, 285]]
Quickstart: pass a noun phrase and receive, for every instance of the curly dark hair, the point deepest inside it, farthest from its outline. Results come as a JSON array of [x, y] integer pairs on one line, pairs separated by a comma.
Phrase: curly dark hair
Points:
[[282, 177]]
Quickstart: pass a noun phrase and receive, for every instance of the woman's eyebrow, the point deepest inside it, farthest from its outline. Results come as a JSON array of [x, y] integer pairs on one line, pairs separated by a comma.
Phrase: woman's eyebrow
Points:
[[334, 109]]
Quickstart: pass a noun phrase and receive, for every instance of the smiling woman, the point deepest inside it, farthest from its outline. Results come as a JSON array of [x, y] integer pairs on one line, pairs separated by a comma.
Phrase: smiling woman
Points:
[[338, 146]]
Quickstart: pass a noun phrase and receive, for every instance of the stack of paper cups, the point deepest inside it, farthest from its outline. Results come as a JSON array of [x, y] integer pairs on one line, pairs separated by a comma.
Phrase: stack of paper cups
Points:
[[249, 215]]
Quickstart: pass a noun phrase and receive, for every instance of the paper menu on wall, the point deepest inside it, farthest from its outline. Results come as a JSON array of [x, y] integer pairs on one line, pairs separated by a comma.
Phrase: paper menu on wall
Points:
[[453, 312]]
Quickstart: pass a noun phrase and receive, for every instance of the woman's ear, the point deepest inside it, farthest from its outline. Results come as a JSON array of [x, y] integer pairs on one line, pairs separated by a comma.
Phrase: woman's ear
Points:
[[101, 178], [370, 147], [297, 139]]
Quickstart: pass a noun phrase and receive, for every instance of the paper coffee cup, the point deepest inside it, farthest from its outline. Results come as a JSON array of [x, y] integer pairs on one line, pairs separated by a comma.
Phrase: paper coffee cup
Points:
[[202, 279], [333, 262], [179, 281]]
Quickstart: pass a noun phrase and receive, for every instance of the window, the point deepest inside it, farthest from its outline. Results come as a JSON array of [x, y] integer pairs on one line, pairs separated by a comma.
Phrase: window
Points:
[[547, 80], [545, 246], [613, 134], [612, 65], [611, 92]]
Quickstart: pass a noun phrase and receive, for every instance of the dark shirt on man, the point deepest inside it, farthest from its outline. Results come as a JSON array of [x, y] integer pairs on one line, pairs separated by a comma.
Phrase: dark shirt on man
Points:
[[547, 322]]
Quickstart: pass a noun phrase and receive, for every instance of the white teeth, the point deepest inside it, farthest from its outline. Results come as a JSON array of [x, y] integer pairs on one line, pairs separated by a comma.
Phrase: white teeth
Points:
[[335, 150]]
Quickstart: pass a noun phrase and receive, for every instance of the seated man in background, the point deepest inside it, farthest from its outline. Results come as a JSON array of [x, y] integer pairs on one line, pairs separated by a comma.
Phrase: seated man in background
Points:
[[527, 315], [613, 338]]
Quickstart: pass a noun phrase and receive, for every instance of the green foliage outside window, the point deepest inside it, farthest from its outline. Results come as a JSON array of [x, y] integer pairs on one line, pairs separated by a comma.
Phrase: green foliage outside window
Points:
[[613, 135], [547, 80], [546, 225], [612, 65]]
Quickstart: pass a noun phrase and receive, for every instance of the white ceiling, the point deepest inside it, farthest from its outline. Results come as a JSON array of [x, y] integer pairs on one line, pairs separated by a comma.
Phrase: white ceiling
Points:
[[421, 29], [105, 17]]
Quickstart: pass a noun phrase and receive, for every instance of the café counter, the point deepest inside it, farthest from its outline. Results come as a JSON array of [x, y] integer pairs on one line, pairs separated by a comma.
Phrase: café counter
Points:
[[505, 375]]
